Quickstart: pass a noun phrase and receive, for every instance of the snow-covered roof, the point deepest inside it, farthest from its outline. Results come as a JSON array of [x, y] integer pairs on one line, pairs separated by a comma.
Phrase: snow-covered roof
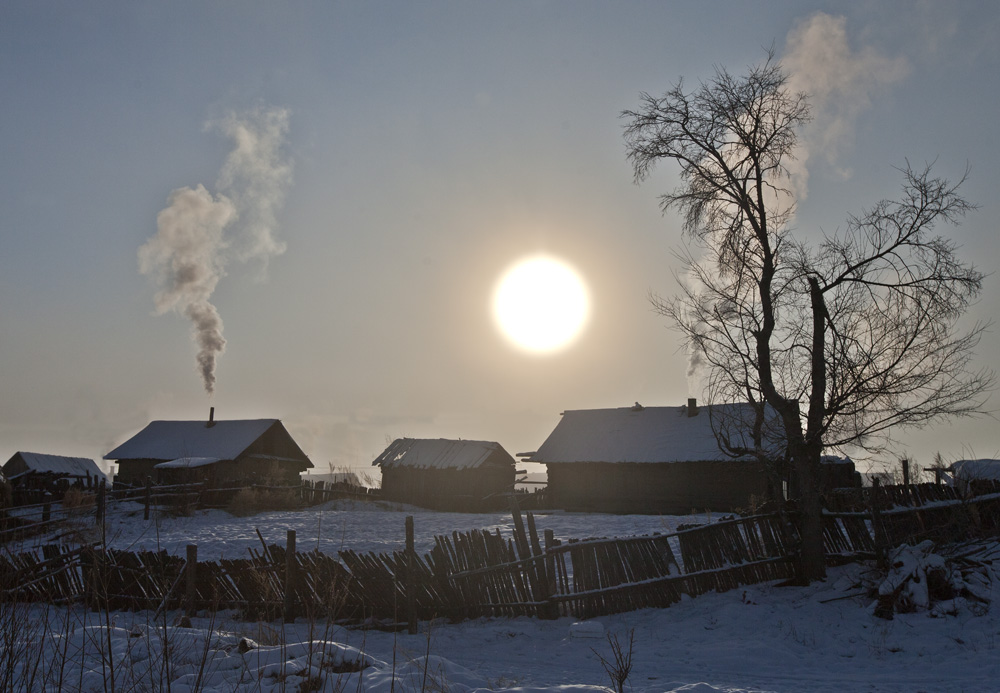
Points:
[[187, 462], [977, 469], [438, 453], [171, 440], [651, 434], [40, 463]]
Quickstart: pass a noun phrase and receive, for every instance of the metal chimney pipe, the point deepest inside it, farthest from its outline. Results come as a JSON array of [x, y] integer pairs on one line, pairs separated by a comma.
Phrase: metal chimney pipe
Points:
[[211, 417]]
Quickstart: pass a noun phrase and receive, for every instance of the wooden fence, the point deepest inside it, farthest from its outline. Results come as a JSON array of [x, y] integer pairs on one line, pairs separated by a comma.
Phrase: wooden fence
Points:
[[480, 573], [466, 575], [888, 523], [22, 520]]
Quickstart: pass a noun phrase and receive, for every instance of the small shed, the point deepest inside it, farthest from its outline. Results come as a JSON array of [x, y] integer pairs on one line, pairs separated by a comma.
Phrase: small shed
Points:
[[236, 452], [457, 475], [659, 459], [53, 474]]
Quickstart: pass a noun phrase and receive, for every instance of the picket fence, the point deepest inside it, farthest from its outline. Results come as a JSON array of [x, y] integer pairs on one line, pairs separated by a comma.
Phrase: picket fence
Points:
[[480, 573]]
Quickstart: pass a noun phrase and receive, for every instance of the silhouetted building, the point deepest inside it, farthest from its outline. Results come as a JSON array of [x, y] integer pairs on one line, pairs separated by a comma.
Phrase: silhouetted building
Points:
[[660, 459], [459, 475], [220, 453], [34, 476]]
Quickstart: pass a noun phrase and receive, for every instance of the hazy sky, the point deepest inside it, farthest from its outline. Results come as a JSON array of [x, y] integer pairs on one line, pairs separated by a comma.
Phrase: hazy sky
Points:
[[367, 172]]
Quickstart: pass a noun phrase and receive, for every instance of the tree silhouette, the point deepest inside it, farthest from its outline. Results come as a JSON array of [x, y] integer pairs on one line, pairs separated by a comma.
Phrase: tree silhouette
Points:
[[846, 338]]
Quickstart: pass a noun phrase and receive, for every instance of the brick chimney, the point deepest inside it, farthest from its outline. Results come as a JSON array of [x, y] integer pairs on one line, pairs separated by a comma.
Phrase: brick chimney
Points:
[[692, 406]]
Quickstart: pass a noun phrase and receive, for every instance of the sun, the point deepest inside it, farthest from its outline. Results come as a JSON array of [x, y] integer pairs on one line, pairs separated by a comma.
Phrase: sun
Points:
[[540, 304]]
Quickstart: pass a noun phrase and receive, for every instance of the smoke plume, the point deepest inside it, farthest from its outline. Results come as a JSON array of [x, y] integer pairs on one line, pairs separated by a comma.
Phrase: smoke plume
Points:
[[840, 83], [198, 234]]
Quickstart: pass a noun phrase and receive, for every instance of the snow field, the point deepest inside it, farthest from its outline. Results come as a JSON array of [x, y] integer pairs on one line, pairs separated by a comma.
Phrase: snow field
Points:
[[824, 637]]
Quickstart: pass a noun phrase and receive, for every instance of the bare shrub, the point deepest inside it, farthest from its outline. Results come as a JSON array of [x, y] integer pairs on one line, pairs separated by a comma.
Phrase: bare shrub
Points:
[[78, 502], [619, 666]]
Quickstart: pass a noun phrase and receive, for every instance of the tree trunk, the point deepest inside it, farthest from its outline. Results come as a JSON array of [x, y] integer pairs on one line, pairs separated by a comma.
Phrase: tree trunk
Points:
[[812, 556], [807, 455]]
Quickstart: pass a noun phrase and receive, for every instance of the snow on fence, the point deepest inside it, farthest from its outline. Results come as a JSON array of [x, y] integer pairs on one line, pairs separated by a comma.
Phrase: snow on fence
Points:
[[883, 517], [465, 575], [480, 573], [888, 497]]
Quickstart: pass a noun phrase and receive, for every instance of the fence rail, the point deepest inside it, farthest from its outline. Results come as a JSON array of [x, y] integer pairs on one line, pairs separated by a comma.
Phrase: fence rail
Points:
[[465, 575], [480, 573]]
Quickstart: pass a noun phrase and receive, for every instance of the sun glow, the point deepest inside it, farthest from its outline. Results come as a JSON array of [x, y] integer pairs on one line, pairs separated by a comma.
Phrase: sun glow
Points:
[[540, 304]]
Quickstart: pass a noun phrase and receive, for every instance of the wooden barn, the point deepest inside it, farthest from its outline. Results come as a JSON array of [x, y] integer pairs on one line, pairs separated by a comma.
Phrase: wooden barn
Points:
[[29, 472], [221, 453], [458, 475], [656, 460]]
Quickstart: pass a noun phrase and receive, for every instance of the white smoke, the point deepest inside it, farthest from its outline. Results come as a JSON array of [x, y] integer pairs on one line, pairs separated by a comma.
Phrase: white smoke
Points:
[[199, 233], [256, 177], [694, 287], [840, 83]]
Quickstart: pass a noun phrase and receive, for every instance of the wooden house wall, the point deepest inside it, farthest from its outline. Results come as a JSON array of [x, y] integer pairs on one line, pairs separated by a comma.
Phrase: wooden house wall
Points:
[[462, 490], [673, 488], [134, 472], [831, 476], [277, 443], [218, 474], [240, 472], [246, 469], [15, 465], [838, 475]]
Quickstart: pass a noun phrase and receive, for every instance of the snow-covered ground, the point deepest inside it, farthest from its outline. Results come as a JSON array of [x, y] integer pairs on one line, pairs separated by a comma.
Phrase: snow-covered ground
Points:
[[356, 525], [824, 637]]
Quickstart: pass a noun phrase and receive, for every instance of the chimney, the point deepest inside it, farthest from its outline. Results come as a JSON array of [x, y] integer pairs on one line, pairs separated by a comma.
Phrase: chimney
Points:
[[692, 406], [211, 417]]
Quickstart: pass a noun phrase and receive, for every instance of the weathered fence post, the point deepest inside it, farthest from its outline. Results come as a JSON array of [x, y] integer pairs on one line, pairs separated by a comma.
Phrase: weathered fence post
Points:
[[550, 572], [92, 564], [411, 579], [148, 498], [290, 564], [539, 569], [906, 471], [881, 540], [87, 574], [520, 536], [101, 491], [191, 577]]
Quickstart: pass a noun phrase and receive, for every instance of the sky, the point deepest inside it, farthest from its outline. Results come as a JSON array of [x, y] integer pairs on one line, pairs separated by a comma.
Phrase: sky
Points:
[[334, 190]]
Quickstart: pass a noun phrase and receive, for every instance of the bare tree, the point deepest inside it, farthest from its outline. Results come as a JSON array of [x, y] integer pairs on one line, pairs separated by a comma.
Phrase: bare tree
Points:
[[847, 338]]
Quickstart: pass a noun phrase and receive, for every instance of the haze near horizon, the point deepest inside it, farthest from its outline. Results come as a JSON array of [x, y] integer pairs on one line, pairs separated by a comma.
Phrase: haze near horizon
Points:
[[360, 178]]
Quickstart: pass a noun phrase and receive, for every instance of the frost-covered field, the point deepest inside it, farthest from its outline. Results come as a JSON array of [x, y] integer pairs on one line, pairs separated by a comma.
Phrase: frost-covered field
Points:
[[354, 525], [761, 638]]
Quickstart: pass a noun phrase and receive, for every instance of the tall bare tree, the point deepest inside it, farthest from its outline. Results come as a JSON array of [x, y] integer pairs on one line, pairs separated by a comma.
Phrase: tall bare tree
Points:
[[846, 338]]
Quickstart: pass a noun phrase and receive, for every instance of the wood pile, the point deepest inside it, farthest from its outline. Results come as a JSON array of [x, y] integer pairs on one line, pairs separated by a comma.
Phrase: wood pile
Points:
[[939, 581]]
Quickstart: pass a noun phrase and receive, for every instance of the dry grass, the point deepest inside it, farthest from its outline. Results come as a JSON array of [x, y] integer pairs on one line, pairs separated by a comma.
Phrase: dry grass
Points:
[[78, 502], [250, 501]]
